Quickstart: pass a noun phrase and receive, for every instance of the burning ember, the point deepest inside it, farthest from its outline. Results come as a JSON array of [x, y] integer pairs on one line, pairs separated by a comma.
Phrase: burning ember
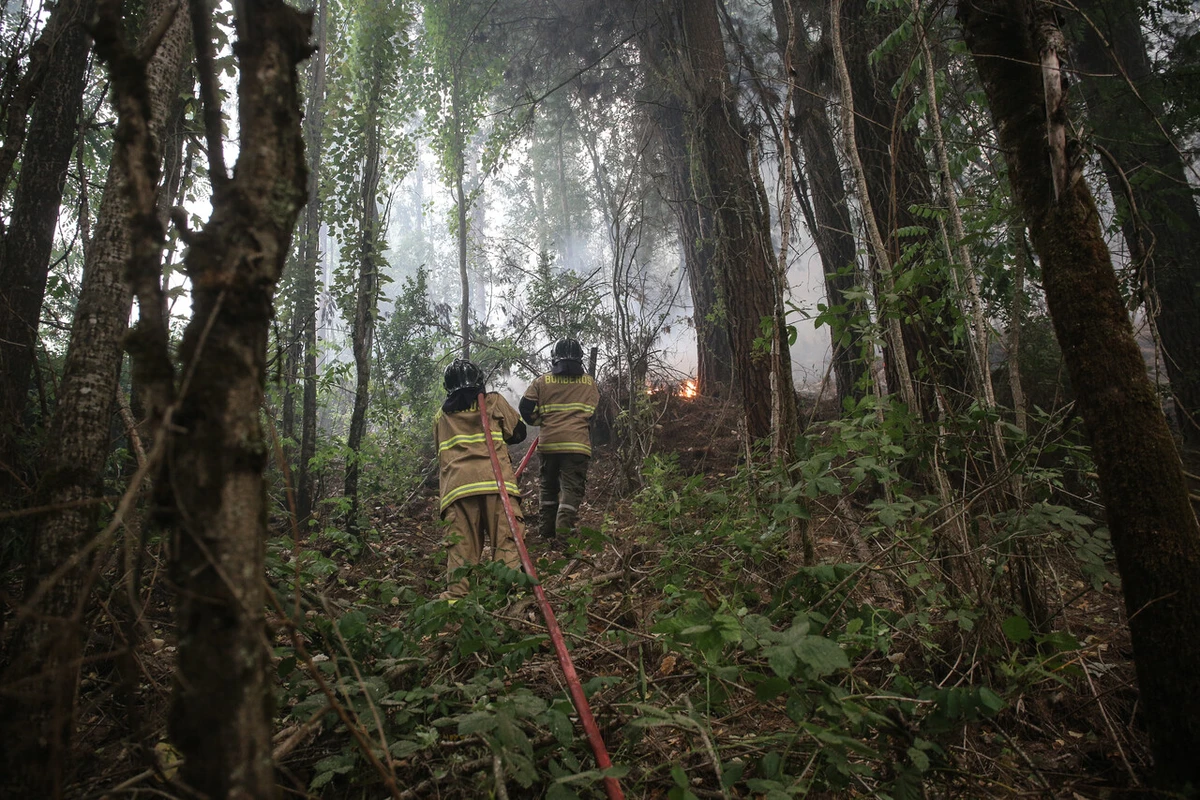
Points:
[[688, 389]]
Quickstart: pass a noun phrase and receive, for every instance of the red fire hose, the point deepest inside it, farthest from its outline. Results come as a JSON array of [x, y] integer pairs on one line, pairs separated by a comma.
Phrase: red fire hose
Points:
[[611, 786], [528, 455]]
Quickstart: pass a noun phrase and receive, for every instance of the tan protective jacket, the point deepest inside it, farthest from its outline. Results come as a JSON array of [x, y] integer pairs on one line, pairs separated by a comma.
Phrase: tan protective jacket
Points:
[[464, 464], [563, 407]]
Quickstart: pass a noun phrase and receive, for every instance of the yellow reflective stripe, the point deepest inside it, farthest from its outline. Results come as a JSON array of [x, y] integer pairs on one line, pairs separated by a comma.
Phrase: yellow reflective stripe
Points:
[[566, 447], [551, 407], [479, 487], [469, 438]]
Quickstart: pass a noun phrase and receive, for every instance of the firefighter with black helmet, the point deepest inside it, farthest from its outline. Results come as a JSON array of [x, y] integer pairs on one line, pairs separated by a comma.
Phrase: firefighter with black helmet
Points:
[[562, 402], [470, 498]]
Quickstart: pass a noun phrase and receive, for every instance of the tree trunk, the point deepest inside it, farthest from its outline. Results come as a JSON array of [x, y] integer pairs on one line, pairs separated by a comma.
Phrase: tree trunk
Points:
[[291, 348], [15, 102], [49, 644], [363, 335], [220, 719], [460, 165], [714, 356], [833, 232], [306, 283], [464, 313], [723, 185], [1154, 530], [564, 197], [29, 238], [1016, 238], [477, 257], [1162, 228], [785, 416]]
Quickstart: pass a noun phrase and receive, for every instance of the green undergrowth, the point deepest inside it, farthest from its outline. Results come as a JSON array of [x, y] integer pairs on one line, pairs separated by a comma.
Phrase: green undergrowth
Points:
[[717, 663]]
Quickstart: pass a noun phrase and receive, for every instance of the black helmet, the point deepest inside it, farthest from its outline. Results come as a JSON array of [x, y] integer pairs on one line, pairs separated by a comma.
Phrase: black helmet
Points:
[[462, 374], [566, 350]]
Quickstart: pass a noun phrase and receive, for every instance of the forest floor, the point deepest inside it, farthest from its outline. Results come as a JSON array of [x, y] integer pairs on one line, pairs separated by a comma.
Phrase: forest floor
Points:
[[460, 697]]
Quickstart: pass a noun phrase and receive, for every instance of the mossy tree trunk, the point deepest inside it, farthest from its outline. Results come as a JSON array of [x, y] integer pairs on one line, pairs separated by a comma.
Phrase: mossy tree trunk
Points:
[[1150, 186], [714, 357], [723, 185], [1017, 48]]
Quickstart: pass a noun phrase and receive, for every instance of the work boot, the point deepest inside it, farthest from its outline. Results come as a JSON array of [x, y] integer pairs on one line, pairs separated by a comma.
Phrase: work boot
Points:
[[547, 525], [564, 520]]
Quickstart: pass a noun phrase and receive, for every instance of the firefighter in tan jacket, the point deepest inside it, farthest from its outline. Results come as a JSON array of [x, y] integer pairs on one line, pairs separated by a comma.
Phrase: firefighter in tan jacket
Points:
[[562, 403], [470, 498]]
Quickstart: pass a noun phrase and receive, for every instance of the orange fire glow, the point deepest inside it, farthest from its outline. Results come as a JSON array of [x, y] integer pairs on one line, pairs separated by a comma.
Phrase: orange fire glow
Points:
[[688, 389]]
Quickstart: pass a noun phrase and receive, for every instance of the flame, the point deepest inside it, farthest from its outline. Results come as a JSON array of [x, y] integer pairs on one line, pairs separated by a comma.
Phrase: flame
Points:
[[688, 389]]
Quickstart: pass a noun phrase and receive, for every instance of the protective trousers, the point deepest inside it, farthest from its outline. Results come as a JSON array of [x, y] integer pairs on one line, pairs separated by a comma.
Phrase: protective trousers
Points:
[[564, 478], [476, 521]]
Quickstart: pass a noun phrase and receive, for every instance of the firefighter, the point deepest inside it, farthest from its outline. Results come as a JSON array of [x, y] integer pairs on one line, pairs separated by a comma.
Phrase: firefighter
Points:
[[470, 499], [562, 402]]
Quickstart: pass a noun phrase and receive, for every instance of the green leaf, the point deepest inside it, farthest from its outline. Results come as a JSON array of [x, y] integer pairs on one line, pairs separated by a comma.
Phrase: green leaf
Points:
[[822, 656], [679, 776], [337, 763], [476, 722], [560, 726], [827, 484], [1059, 640], [528, 705], [797, 632], [771, 764], [286, 666], [695, 629], [521, 768], [756, 625], [558, 791], [919, 759], [353, 624], [771, 688], [765, 786], [598, 682], [1016, 628], [782, 659], [405, 748], [331, 766], [731, 773], [320, 779], [990, 699]]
